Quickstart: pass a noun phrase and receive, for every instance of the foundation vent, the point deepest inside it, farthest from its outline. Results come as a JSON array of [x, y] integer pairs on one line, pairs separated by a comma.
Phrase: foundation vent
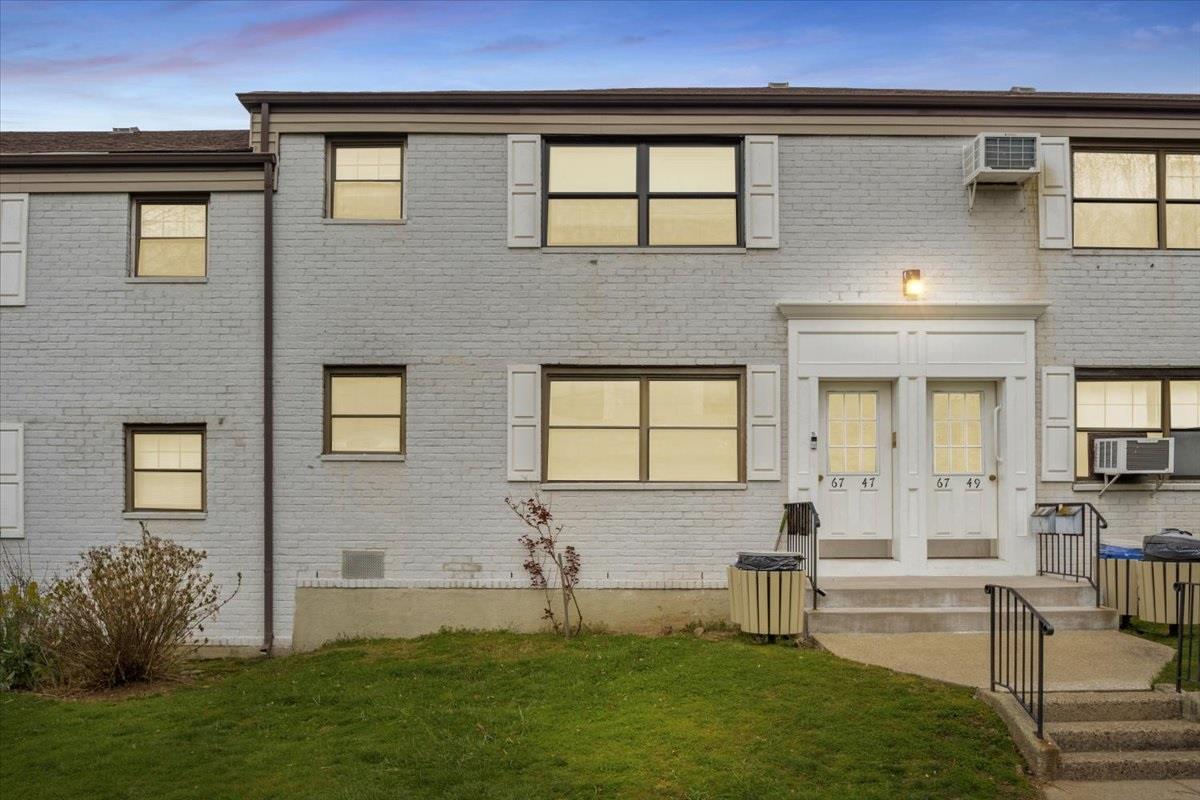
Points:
[[362, 564]]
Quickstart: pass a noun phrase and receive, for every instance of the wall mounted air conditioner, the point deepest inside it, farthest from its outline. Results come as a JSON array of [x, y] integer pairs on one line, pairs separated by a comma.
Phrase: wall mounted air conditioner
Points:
[[1132, 456], [1005, 158]]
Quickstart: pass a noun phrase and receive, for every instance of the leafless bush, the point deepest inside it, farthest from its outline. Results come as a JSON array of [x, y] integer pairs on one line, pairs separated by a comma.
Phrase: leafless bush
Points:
[[542, 546], [130, 612]]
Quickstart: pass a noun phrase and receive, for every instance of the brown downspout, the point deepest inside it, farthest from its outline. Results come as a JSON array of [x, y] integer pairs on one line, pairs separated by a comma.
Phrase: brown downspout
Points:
[[268, 383]]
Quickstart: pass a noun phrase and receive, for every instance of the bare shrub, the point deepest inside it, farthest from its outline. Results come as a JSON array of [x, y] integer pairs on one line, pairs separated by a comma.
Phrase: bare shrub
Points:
[[130, 612], [542, 550]]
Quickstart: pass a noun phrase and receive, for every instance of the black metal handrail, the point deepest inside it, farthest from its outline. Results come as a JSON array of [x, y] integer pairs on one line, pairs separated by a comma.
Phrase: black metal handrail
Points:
[[1187, 595], [1073, 555], [1016, 660], [800, 523]]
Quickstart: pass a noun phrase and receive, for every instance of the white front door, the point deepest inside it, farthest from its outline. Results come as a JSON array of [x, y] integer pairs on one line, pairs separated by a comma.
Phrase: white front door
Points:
[[963, 424], [855, 483]]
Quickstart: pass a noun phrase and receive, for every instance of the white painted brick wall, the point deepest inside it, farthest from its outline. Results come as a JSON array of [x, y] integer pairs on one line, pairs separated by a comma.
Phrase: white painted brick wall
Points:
[[443, 295]]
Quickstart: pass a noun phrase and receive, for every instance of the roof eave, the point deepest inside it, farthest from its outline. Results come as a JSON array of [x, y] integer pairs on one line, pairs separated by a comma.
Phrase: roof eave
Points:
[[142, 160]]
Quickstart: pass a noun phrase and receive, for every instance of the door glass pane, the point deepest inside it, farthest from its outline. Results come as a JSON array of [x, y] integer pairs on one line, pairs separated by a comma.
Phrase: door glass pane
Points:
[[591, 222], [168, 490], [692, 169], [365, 435], [693, 455], [592, 454], [693, 221], [1183, 226], [1183, 176], [1116, 225], [851, 434], [1115, 175], [599, 403], [1185, 404], [697, 404], [362, 394], [957, 432], [593, 169]]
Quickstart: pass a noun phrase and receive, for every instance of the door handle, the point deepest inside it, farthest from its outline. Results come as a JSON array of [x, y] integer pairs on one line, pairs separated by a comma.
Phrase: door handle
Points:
[[996, 433], [992, 477]]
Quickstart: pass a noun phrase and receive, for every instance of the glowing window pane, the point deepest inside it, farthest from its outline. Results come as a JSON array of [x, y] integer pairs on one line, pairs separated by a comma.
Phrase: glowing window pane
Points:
[[1116, 225], [591, 222], [693, 455], [595, 403], [167, 450], [168, 491], [1183, 176], [1115, 175], [368, 163], [1183, 226], [171, 257], [595, 454], [1185, 404], [367, 200], [851, 433], [957, 432], [593, 169], [365, 435], [1082, 467], [173, 221], [693, 403], [693, 221], [693, 169], [362, 394], [171, 240]]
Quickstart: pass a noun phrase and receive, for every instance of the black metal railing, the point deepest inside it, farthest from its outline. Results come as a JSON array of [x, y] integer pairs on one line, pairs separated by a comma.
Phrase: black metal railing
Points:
[[800, 523], [1069, 553], [1017, 660], [1187, 650]]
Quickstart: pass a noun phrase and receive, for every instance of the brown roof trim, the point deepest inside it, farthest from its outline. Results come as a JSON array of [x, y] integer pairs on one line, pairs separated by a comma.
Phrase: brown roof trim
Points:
[[750, 100], [125, 141], [140, 160]]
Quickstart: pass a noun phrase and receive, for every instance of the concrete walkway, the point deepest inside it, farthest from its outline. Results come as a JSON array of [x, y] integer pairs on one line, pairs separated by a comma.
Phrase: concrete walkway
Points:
[[1075, 660], [1123, 790]]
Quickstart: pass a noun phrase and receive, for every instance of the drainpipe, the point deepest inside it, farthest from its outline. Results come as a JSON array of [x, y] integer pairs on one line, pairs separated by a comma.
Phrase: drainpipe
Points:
[[268, 420]]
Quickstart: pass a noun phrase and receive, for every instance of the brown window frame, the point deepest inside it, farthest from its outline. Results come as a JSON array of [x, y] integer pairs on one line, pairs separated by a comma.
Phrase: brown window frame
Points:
[[359, 371], [644, 376], [642, 191], [1160, 152], [334, 143], [132, 429], [1103, 375], [139, 200]]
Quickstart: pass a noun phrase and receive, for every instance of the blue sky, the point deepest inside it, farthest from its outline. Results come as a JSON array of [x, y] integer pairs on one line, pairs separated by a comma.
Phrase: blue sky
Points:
[[96, 64]]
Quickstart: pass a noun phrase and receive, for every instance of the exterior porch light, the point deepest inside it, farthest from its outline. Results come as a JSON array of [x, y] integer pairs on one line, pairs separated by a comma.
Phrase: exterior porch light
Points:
[[912, 284]]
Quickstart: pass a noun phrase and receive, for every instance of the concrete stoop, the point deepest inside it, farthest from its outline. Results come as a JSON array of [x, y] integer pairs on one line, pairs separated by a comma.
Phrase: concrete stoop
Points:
[[1107, 736], [946, 605]]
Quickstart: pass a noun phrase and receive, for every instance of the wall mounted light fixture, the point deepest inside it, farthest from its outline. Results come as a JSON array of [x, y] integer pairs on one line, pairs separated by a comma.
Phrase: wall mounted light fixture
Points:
[[912, 284]]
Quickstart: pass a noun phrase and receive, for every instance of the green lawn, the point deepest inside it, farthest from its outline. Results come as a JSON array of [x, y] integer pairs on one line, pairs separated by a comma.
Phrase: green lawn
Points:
[[496, 715], [1159, 633]]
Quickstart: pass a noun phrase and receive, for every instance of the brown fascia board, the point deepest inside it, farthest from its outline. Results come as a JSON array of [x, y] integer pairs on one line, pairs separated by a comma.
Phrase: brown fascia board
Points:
[[756, 100], [128, 160]]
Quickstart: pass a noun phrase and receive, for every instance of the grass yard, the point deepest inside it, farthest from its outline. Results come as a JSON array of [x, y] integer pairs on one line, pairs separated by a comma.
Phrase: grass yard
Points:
[[496, 715], [1159, 633]]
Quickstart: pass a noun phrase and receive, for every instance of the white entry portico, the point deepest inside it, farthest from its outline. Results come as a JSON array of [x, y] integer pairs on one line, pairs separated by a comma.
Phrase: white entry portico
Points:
[[934, 401]]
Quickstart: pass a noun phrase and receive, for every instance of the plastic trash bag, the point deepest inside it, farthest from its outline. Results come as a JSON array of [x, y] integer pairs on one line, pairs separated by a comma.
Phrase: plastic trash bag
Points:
[[770, 562]]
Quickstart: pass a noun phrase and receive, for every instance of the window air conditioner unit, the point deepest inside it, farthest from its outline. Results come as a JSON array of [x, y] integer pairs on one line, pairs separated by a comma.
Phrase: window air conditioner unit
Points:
[[1005, 158], [1135, 456]]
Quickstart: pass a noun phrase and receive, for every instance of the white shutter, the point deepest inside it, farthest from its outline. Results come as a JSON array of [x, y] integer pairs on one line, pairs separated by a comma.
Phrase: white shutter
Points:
[[1054, 194], [763, 427], [524, 190], [524, 423], [12, 487], [1058, 424], [14, 246], [762, 191]]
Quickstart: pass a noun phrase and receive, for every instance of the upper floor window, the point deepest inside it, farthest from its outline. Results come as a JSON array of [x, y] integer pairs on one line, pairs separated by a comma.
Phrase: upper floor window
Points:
[[1136, 198], [366, 180], [644, 425], [364, 410], [619, 193], [171, 237], [164, 468], [1141, 403]]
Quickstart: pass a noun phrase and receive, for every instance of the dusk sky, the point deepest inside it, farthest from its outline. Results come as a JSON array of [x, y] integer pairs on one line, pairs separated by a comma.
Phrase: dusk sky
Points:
[[158, 65]]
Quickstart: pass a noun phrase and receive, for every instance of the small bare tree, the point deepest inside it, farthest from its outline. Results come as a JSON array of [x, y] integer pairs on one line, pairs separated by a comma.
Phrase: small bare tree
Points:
[[542, 548]]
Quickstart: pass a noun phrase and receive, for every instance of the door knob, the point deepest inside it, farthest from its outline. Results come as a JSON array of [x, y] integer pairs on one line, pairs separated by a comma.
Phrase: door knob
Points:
[[991, 477]]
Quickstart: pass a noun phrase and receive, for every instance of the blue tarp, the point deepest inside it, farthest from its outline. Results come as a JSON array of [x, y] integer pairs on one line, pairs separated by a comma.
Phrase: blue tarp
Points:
[[1126, 553]]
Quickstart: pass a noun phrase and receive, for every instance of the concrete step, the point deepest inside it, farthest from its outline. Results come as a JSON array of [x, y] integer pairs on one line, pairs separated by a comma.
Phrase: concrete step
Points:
[[1108, 765], [946, 620], [1111, 706], [951, 596], [1125, 735]]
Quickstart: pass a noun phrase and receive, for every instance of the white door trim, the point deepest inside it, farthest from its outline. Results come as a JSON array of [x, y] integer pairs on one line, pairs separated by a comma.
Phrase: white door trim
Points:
[[910, 352]]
